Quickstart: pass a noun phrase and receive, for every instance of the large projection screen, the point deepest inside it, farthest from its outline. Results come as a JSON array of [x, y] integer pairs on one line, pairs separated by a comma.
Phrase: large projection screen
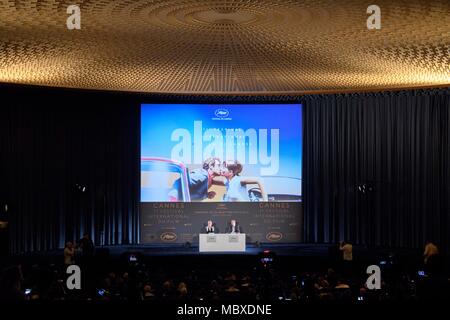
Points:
[[221, 162]]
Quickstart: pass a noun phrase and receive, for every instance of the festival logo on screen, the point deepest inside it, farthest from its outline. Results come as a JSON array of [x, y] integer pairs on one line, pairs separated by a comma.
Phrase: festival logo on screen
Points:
[[274, 236], [168, 236], [190, 154], [222, 114]]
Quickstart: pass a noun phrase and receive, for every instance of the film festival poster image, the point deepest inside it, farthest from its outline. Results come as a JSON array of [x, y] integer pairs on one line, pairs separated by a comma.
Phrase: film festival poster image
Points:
[[221, 162]]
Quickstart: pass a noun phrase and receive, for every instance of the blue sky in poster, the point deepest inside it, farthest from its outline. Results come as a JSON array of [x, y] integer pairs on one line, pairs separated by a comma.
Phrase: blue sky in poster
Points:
[[265, 138]]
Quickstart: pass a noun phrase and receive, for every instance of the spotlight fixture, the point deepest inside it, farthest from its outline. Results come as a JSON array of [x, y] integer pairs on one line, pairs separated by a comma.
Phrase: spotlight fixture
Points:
[[80, 188]]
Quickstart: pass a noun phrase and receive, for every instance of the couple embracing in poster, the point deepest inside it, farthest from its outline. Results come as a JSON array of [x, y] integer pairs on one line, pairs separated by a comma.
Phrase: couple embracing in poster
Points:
[[221, 181]]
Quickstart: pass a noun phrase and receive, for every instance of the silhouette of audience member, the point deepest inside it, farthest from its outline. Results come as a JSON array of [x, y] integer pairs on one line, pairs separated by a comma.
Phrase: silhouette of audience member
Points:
[[87, 247], [430, 250], [11, 284], [147, 293], [69, 254]]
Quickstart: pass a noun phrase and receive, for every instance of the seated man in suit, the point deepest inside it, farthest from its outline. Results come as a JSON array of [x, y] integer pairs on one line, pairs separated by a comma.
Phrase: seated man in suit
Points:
[[234, 227], [210, 227]]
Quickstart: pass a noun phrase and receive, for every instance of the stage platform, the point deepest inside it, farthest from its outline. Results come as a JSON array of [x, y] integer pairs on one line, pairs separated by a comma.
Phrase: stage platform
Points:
[[170, 250]]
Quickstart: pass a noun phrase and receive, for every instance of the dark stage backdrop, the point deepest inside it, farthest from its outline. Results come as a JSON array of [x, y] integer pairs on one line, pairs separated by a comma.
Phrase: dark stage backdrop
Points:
[[52, 140], [376, 166]]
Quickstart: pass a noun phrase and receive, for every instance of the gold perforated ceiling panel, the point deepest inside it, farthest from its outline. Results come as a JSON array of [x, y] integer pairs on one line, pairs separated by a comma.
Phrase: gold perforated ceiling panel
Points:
[[231, 46]]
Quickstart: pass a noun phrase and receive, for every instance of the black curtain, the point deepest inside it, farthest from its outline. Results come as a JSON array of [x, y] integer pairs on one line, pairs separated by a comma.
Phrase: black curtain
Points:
[[376, 166], [53, 144]]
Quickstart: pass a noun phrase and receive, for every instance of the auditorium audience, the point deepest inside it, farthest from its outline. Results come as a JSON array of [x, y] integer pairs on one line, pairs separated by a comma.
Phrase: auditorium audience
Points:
[[182, 291], [139, 282], [321, 284], [11, 284], [347, 251], [341, 284], [147, 293]]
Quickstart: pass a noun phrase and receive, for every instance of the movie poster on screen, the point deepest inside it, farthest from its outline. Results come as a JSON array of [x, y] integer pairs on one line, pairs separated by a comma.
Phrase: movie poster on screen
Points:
[[202, 161]]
